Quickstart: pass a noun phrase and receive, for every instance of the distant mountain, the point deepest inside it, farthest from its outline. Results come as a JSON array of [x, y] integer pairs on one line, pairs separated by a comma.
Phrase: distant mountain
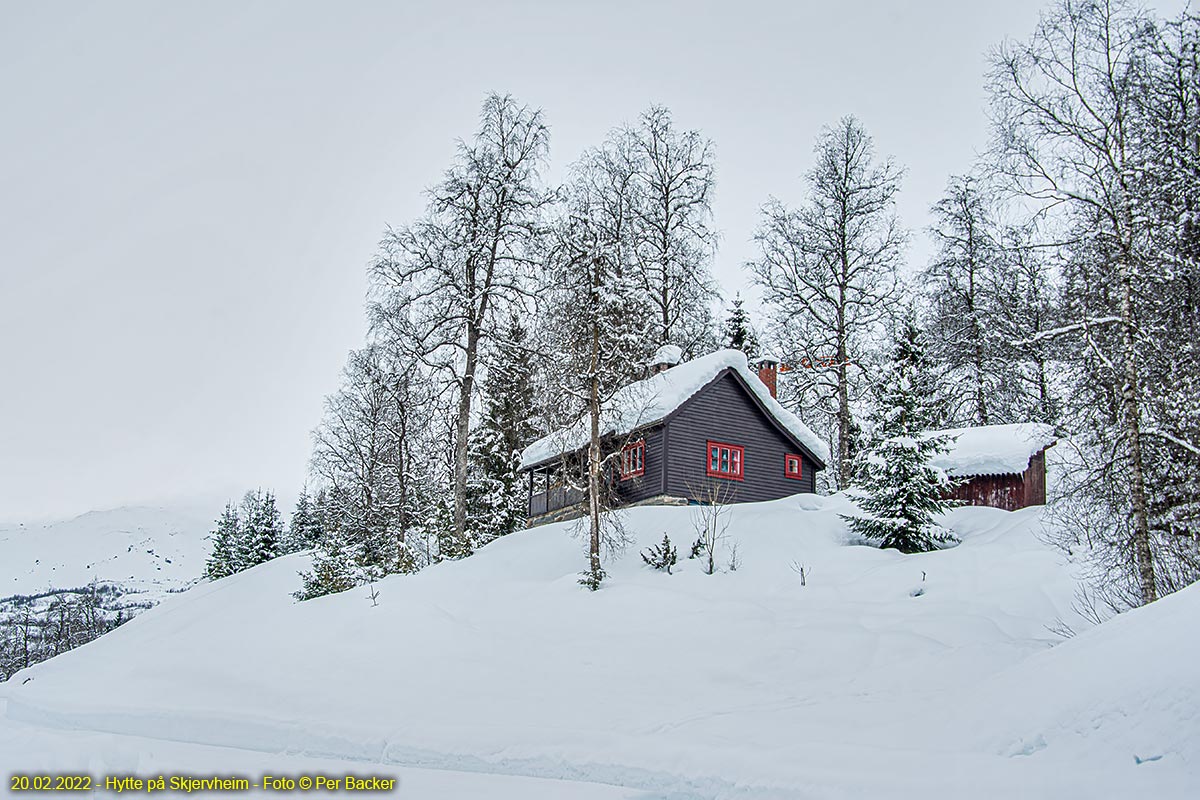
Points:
[[148, 551]]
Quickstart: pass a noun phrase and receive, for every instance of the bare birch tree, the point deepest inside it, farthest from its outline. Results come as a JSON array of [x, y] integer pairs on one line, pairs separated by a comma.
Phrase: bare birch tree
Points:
[[675, 178], [828, 270], [596, 338], [442, 283], [1066, 103]]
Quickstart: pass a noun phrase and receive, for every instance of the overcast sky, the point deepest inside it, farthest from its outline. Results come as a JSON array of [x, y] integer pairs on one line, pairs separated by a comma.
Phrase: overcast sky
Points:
[[189, 192]]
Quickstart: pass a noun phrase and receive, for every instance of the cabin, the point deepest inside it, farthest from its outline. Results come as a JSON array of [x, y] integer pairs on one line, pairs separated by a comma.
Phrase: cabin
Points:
[[702, 431], [1003, 466]]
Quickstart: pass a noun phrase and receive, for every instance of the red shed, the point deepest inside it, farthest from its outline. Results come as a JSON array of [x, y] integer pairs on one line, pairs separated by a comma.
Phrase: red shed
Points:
[[1004, 465]]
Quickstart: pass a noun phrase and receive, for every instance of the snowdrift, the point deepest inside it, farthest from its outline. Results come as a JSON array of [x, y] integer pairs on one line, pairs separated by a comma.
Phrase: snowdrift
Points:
[[933, 675]]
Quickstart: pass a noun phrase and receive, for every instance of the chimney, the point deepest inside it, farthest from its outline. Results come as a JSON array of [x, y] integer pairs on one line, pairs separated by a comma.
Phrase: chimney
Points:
[[768, 373], [666, 357]]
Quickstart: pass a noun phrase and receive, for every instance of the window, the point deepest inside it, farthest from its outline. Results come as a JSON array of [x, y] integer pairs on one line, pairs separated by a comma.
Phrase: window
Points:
[[791, 467], [633, 460], [724, 460]]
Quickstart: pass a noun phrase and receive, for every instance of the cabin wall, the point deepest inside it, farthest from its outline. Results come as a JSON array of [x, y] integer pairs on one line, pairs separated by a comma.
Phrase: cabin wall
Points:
[[632, 490], [650, 484], [724, 411]]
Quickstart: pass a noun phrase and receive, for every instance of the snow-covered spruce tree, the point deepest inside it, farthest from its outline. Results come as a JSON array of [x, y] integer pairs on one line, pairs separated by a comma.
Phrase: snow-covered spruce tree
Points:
[[497, 497], [333, 567], [828, 272], [596, 340], [261, 529], [902, 492], [304, 529], [662, 556], [225, 538], [739, 332], [442, 286]]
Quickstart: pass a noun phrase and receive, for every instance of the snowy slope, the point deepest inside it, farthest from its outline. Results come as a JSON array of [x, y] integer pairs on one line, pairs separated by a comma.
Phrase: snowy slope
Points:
[[148, 550], [927, 676]]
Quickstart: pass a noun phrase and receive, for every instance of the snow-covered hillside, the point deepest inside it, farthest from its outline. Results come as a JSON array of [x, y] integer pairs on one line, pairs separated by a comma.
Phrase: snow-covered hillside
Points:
[[146, 550], [882, 675]]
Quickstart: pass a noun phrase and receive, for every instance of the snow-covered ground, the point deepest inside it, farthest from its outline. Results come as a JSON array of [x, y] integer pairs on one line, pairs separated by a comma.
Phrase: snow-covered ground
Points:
[[883, 675], [150, 551]]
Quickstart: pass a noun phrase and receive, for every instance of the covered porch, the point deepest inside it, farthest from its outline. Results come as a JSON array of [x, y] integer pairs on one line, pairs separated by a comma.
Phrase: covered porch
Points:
[[549, 491]]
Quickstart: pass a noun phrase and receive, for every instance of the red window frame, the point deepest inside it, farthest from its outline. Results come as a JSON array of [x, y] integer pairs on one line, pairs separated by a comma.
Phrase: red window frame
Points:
[[788, 461], [724, 460], [633, 459]]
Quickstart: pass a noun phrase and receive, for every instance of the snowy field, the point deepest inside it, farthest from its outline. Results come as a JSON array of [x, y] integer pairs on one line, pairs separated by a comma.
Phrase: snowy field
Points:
[[883, 675], [148, 551]]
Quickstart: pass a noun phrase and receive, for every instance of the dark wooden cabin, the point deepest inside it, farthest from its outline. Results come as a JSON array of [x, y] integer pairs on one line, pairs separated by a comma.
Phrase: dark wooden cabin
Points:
[[1003, 466], [708, 430]]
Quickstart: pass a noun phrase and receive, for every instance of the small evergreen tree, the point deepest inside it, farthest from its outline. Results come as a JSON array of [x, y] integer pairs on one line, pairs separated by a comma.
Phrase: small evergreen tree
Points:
[[496, 502], [304, 530], [739, 333], [661, 556], [225, 539], [261, 530], [332, 569], [902, 490]]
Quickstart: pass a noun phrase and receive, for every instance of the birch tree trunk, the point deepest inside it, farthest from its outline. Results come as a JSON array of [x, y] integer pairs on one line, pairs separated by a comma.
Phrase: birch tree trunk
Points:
[[1132, 423]]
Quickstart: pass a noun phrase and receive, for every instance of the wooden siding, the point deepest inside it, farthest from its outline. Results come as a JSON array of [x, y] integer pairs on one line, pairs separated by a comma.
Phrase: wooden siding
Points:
[[997, 491], [641, 487], [1009, 492], [650, 483], [1035, 480], [724, 411]]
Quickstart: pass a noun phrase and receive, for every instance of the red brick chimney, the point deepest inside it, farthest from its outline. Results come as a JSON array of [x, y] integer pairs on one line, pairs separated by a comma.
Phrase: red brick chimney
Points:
[[768, 373]]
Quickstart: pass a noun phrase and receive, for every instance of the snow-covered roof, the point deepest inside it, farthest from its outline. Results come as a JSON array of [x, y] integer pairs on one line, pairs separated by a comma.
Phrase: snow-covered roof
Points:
[[649, 401], [993, 449]]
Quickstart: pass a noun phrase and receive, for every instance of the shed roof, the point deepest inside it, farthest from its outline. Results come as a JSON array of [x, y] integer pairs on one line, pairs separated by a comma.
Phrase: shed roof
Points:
[[651, 400], [993, 449]]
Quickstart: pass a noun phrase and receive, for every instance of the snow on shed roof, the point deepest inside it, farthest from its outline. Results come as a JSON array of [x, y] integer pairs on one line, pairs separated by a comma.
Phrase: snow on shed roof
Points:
[[993, 449], [649, 401]]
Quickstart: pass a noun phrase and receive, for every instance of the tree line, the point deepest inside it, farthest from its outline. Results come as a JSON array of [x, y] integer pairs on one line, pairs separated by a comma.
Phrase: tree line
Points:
[[35, 628], [1064, 289]]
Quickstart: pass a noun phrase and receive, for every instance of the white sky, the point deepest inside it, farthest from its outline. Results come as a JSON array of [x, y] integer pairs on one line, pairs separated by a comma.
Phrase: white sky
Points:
[[189, 193]]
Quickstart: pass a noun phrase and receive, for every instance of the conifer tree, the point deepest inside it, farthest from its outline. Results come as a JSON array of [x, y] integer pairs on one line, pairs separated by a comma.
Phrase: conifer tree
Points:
[[739, 333], [263, 528], [225, 538], [332, 569], [496, 501], [902, 491], [304, 531]]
